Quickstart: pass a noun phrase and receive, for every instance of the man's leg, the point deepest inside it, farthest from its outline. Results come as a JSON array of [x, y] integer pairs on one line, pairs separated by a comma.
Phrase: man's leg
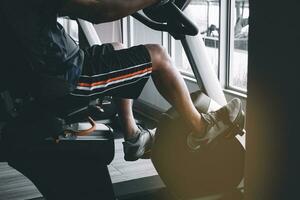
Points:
[[127, 121], [170, 85], [205, 126], [124, 108]]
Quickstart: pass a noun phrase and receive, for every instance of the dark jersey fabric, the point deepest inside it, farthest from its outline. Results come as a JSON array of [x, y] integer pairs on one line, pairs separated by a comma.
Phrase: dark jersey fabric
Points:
[[46, 45]]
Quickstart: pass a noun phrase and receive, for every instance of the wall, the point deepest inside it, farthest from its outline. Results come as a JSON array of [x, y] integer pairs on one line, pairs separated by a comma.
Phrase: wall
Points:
[[272, 156], [109, 32]]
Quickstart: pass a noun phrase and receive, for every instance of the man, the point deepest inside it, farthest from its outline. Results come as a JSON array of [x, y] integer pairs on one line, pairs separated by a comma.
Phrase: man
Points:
[[109, 69]]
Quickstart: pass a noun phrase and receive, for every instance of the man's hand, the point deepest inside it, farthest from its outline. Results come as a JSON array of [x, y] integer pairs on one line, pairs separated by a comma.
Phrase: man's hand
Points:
[[99, 11]]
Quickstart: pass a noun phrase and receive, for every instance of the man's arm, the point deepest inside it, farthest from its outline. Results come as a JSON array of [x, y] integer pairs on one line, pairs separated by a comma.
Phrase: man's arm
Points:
[[99, 11]]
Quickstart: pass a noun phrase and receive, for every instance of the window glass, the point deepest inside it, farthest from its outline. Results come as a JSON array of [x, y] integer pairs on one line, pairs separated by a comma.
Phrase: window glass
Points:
[[205, 14], [144, 35], [239, 55]]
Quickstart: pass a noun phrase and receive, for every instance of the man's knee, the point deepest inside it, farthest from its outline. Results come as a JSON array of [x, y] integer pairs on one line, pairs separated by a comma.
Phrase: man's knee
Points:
[[118, 45], [159, 55]]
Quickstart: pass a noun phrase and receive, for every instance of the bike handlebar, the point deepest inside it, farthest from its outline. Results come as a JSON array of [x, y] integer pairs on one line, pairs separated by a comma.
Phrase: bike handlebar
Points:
[[176, 22]]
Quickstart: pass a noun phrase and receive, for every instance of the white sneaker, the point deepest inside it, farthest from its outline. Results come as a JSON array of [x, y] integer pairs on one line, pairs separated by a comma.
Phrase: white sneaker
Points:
[[141, 147], [228, 121]]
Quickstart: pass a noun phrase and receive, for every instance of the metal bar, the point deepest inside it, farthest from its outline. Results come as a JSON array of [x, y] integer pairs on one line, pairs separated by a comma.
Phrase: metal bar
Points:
[[202, 68], [89, 32], [192, 61]]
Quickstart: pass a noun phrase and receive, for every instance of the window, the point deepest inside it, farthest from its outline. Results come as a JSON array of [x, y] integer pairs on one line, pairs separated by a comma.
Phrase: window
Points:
[[238, 67], [205, 14], [140, 34], [135, 33]]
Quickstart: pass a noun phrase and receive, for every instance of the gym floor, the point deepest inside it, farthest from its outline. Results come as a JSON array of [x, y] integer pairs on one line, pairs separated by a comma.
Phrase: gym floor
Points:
[[128, 178]]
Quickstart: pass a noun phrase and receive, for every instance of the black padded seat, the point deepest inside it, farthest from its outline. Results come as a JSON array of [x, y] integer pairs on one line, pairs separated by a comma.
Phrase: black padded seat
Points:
[[74, 168]]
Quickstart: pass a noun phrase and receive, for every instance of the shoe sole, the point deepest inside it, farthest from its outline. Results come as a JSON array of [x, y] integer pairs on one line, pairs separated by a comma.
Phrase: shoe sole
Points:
[[146, 155], [237, 127]]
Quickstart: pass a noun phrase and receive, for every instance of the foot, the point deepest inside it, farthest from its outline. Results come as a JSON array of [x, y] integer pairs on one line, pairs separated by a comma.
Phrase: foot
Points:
[[140, 147], [228, 121]]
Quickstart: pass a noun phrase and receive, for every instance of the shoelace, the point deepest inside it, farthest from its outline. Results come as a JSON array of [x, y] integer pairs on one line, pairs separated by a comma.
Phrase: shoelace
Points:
[[148, 132], [215, 116], [211, 119]]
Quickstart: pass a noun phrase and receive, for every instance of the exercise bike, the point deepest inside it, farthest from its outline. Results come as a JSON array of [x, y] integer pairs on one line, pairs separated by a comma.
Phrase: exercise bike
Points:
[[216, 171]]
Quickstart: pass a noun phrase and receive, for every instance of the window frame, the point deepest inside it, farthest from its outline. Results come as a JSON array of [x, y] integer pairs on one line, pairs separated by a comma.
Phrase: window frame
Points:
[[230, 48]]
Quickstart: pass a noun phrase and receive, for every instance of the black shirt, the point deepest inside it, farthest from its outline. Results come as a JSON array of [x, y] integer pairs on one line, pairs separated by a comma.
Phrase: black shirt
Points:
[[48, 48]]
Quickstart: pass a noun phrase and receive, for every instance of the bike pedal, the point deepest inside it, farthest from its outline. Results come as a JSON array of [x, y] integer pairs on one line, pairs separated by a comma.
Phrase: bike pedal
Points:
[[242, 132], [147, 155], [234, 130]]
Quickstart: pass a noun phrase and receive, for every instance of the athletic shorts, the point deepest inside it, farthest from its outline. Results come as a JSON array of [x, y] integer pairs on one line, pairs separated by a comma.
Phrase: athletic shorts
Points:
[[108, 72]]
